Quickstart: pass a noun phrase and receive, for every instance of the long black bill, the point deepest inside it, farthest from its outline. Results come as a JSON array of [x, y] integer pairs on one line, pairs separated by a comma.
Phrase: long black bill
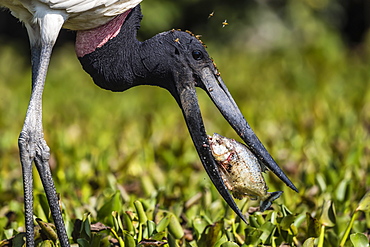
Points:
[[188, 101], [217, 90]]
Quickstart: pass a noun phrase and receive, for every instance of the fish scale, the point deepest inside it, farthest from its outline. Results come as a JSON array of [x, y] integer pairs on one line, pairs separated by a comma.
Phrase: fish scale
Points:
[[241, 171]]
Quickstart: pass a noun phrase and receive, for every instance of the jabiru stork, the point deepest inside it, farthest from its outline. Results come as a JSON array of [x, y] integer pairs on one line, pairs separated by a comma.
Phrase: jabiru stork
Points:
[[108, 50]]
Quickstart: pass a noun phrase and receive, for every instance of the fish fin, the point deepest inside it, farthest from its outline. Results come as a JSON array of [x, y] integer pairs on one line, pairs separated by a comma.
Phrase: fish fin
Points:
[[238, 195], [263, 167], [267, 203]]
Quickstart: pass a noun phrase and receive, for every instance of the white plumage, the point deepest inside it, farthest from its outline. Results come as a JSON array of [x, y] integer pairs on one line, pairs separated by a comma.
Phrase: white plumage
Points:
[[77, 14]]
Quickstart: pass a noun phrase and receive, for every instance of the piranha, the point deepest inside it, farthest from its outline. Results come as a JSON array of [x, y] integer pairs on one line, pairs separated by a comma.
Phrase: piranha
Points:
[[241, 171]]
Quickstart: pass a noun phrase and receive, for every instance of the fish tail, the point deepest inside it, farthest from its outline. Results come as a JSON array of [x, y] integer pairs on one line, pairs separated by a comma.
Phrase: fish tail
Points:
[[267, 203]]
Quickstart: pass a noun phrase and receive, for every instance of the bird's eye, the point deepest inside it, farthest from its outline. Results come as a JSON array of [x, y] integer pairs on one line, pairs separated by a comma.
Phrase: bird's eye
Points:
[[197, 55]]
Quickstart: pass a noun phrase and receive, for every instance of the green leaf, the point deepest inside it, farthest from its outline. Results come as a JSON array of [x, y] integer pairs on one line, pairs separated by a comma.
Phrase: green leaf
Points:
[[364, 204], [43, 202], [359, 240], [162, 225], [310, 242], [128, 223], [229, 244], [210, 234], [83, 242], [95, 241], [140, 212], [340, 192], [172, 241], [117, 222], [114, 204], [286, 222], [129, 240], [158, 236], [328, 216], [19, 239], [252, 236], [47, 243], [149, 229], [48, 229], [175, 227], [313, 226], [267, 229], [199, 224], [85, 230]]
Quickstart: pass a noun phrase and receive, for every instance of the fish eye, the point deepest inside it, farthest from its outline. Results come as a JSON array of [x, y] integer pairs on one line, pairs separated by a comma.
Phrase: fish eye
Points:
[[197, 55]]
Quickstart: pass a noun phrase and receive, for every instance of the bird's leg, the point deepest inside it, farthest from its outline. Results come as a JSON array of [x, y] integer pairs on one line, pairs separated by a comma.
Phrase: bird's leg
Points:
[[47, 181], [32, 145]]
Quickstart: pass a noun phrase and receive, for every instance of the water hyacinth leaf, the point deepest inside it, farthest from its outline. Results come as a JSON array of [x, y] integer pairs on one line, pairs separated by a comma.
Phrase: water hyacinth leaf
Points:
[[117, 237], [158, 236], [172, 241], [313, 226], [285, 210], [253, 221], [267, 230], [221, 240], [175, 228], [210, 234], [48, 229], [229, 244], [162, 225], [3, 223], [43, 202], [95, 241], [252, 236], [364, 204], [114, 204], [359, 240], [9, 232], [259, 218], [140, 212], [38, 231], [341, 190], [18, 240], [85, 231], [149, 230], [348, 229], [328, 216], [47, 243], [272, 216], [321, 182], [299, 219], [199, 224], [83, 242], [332, 238], [310, 242], [286, 222], [229, 234], [128, 223], [129, 240], [117, 221]]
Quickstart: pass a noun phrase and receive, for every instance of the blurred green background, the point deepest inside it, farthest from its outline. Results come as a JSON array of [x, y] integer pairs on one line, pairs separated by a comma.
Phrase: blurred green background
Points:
[[298, 74]]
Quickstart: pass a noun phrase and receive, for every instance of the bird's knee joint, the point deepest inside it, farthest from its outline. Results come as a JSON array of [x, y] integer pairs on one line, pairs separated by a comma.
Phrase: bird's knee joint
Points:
[[23, 141]]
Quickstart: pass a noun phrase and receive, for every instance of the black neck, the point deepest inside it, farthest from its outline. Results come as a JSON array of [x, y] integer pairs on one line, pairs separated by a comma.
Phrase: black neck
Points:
[[124, 62]]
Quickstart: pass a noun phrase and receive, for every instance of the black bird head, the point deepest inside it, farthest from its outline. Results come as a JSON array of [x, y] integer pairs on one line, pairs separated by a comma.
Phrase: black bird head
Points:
[[178, 62]]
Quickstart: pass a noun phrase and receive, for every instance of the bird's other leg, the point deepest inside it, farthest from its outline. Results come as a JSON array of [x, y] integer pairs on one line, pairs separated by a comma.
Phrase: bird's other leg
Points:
[[32, 145]]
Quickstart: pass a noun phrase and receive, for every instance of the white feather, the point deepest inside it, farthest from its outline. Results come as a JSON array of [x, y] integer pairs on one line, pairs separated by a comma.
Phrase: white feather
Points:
[[77, 14]]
